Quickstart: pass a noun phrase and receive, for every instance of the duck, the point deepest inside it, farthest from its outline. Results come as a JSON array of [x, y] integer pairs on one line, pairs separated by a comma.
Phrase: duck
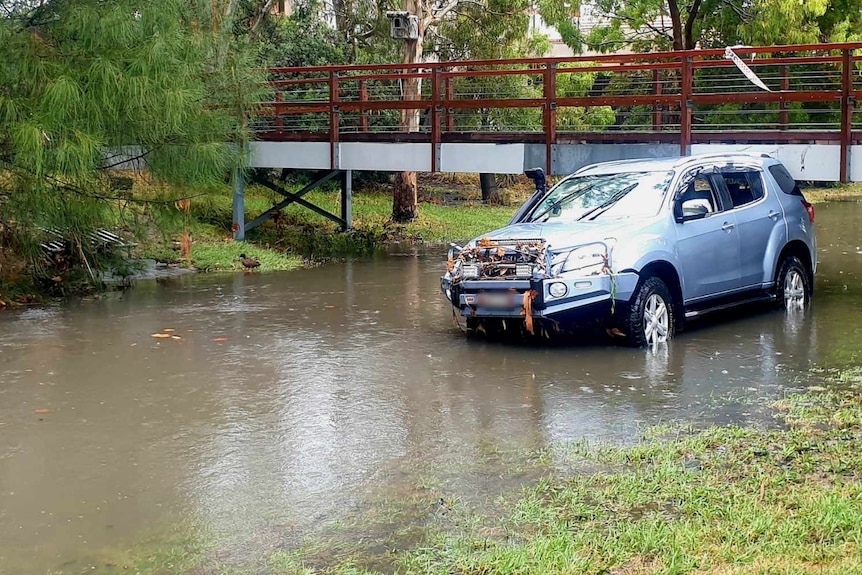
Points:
[[248, 263]]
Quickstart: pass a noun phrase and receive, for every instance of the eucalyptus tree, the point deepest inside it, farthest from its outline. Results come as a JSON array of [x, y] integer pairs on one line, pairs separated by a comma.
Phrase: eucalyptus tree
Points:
[[162, 87], [446, 30]]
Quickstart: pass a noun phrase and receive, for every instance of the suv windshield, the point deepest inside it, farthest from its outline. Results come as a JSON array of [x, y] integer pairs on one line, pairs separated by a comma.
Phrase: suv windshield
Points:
[[628, 194]]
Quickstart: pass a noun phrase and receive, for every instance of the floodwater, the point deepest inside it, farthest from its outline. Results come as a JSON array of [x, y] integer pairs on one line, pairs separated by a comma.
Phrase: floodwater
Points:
[[291, 397]]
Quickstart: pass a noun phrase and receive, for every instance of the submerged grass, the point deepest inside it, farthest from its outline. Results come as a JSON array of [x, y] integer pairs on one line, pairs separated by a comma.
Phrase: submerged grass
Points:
[[717, 500]]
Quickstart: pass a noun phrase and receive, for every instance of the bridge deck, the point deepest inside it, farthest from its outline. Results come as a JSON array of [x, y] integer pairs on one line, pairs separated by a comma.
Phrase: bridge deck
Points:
[[559, 113]]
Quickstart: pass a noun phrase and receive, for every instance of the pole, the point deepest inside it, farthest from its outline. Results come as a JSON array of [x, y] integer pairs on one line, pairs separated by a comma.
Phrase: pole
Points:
[[238, 206]]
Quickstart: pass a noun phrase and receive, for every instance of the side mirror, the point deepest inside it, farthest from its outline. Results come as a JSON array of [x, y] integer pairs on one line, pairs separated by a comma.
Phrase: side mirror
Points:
[[538, 177], [692, 209]]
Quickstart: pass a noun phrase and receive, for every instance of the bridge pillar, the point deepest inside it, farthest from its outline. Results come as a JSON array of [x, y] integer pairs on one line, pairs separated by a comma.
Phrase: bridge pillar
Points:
[[238, 226], [347, 199]]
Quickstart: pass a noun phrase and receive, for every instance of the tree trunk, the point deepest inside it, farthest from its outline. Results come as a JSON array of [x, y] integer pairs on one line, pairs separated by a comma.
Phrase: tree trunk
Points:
[[676, 23], [490, 191], [405, 206], [404, 197], [688, 33], [342, 22]]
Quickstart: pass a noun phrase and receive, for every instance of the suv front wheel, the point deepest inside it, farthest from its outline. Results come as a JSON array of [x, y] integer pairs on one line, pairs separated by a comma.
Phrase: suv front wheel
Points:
[[650, 318]]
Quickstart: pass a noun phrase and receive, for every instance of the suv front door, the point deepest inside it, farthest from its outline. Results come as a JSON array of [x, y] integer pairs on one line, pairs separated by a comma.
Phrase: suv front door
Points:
[[707, 239]]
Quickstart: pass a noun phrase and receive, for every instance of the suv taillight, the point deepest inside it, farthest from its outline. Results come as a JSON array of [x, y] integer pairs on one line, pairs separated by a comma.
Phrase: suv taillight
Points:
[[810, 209]]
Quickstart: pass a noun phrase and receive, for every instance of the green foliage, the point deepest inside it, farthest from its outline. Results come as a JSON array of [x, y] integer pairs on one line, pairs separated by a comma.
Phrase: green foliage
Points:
[[494, 29], [303, 39], [89, 85], [646, 25]]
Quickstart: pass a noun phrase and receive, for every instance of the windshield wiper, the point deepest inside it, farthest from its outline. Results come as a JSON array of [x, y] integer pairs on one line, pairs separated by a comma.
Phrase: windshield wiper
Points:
[[567, 197], [607, 204]]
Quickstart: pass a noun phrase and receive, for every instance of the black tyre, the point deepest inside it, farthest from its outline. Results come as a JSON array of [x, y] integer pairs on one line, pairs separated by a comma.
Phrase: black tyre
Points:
[[469, 327], [650, 319], [792, 285]]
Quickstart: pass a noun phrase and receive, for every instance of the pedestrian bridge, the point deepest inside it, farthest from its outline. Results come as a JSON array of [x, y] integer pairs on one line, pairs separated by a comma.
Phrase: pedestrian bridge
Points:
[[795, 103], [501, 116]]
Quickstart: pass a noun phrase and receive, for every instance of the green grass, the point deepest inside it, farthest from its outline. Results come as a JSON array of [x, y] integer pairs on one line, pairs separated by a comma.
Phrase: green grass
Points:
[[212, 256]]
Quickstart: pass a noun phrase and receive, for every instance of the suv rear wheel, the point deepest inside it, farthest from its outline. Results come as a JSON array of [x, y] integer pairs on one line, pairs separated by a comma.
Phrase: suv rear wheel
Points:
[[650, 318], [792, 285]]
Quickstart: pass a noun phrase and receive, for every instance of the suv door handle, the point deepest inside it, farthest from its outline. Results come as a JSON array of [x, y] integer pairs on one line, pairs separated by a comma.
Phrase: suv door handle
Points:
[[727, 227], [772, 214]]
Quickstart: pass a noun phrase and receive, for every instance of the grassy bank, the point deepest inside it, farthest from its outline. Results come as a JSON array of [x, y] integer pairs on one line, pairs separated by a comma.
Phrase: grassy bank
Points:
[[717, 500], [833, 193], [450, 210]]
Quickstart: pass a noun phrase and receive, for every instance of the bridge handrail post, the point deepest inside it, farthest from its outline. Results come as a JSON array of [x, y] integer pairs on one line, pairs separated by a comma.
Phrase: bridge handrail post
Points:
[[333, 120], [435, 117], [783, 114], [549, 116], [656, 108], [363, 113], [685, 104], [279, 121], [449, 92], [847, 104]]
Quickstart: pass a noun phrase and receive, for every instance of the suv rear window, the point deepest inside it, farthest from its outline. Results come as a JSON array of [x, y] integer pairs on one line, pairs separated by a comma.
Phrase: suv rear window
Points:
[[785, 181]]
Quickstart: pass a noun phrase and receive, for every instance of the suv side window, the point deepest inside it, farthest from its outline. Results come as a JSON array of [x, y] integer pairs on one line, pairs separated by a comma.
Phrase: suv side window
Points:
[[743, 187], [700, 198]]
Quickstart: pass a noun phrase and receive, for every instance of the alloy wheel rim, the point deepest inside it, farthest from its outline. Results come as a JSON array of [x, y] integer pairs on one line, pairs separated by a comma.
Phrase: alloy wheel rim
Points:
[[656, 320], [794, 290]]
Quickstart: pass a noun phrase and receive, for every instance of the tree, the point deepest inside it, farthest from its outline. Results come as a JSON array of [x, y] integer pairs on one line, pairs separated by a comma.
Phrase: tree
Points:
[[454, 28], [87, 86], [641, 24], [645, 25], [790, 22]]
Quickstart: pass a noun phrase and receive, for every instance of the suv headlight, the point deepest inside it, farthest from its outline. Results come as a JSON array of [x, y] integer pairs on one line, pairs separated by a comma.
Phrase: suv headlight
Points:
[[586, 260]]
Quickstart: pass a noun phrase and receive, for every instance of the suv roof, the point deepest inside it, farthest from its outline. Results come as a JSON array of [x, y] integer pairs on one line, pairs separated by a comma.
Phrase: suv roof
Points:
[[665, 164]]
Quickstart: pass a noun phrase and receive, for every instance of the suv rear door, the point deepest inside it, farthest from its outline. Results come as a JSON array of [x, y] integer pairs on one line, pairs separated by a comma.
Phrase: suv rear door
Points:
[[757, 215]]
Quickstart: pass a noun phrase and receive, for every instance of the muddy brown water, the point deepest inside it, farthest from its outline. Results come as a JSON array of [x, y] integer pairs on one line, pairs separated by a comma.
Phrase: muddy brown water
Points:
[[291, 397]]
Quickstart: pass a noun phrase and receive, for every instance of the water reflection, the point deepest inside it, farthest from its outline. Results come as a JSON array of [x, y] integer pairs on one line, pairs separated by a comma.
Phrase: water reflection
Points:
[[331, 382]]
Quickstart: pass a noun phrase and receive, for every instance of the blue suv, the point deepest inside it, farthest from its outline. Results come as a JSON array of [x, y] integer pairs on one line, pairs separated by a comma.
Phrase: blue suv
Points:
[[640, 246]]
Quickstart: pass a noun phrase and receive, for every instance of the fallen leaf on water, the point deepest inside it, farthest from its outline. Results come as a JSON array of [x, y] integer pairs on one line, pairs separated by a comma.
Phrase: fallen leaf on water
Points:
[[161, 335], [176, 337], [220, 339], [169, 330], [42, 411]]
